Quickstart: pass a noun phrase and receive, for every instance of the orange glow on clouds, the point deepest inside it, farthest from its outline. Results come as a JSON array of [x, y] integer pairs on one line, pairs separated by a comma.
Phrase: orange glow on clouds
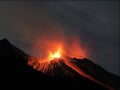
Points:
[[47, 50]]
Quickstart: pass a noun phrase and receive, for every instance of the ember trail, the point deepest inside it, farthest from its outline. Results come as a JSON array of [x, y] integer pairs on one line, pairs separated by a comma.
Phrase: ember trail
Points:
[[54, 52]]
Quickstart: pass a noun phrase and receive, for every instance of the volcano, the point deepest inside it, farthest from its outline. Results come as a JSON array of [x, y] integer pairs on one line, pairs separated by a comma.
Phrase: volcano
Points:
[[63, 73]]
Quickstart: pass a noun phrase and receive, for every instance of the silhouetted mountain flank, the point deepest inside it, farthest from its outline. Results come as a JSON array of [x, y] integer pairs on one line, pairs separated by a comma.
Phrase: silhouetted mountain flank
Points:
[[17, 74]]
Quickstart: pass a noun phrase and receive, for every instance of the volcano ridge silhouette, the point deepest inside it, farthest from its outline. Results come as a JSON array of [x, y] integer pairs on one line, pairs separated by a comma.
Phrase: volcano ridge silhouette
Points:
[[17, 74]]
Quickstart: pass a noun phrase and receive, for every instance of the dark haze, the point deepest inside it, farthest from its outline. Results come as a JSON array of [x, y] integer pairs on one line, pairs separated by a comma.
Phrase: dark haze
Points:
[[95, 22]]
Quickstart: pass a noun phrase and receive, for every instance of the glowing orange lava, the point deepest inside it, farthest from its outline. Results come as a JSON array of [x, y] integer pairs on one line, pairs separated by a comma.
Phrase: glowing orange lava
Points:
[[50, 53], [55, 55], [48, 50]]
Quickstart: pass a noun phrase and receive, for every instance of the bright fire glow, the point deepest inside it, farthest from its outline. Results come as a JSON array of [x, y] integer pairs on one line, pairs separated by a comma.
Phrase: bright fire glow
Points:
[[55, 55]]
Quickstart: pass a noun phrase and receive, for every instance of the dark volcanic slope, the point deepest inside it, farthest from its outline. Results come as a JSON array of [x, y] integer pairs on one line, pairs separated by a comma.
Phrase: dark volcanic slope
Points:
[[97, 72], [16, 74]]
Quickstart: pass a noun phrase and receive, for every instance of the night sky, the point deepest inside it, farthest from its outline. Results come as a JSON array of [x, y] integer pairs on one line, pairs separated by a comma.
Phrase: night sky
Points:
[[95, 22]]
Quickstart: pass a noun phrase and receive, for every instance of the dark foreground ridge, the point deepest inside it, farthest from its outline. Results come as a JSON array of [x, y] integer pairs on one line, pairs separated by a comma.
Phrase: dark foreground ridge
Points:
[[16, 74]]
